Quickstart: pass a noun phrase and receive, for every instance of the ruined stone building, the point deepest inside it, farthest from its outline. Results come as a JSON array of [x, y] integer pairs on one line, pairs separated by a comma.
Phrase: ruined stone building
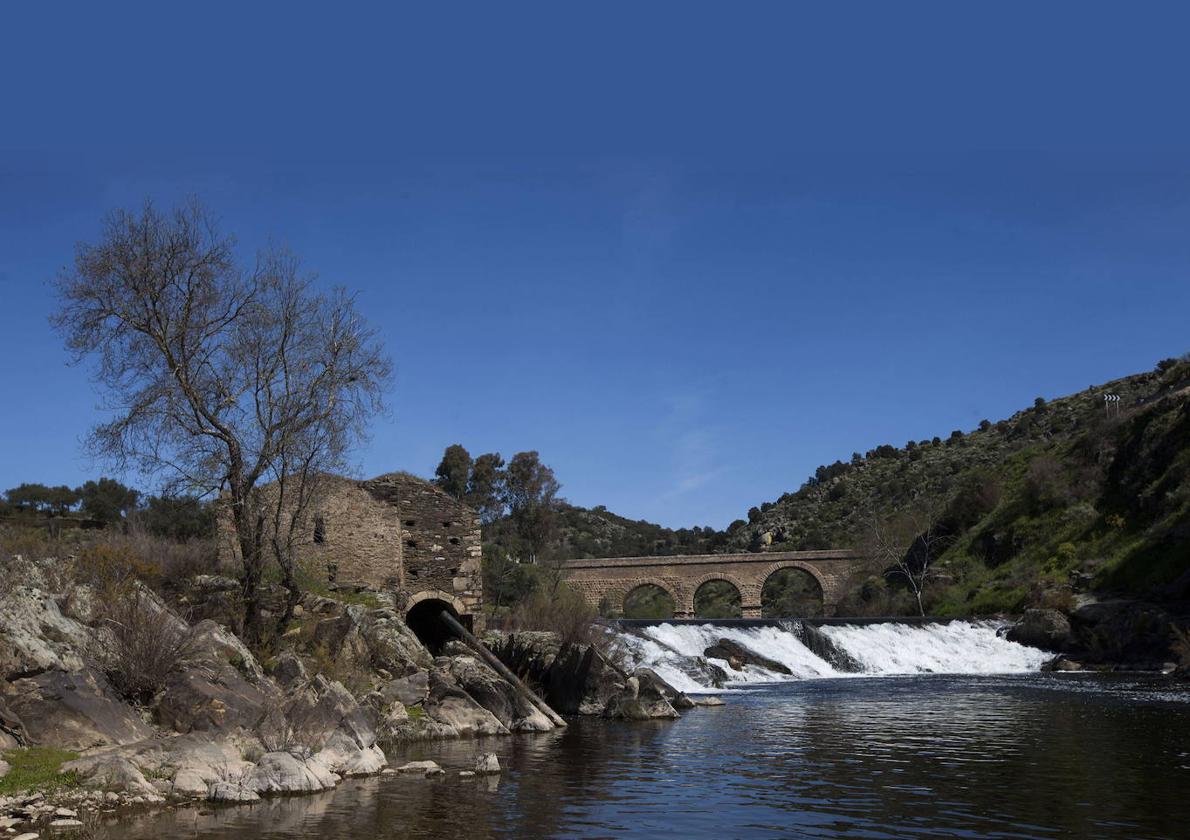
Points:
[[398, 533]]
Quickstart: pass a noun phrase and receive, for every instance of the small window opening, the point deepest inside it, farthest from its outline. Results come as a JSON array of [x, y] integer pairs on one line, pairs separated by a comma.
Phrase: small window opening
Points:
[[409, 523], [411, 543], [413, 573], [454, 540], [448, 524], [319, 530]]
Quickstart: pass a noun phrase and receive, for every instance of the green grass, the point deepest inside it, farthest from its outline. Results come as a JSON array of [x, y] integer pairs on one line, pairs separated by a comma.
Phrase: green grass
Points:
[[36, 768], [415, 712]]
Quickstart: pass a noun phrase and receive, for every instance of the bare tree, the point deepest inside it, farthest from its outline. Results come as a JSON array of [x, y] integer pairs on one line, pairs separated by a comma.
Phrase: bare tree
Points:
[[908, 545], [222, 379]]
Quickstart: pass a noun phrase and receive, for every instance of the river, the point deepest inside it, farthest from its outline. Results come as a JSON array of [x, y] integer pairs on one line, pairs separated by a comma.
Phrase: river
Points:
[[999, 751]]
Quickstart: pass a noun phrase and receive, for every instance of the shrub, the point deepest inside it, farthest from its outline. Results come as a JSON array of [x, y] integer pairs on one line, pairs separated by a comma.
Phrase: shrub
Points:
[[145, 642], [564, 612]]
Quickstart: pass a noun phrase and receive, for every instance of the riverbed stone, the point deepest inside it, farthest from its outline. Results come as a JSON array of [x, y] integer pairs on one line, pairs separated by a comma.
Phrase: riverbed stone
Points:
[[486, 764], [738, 657]]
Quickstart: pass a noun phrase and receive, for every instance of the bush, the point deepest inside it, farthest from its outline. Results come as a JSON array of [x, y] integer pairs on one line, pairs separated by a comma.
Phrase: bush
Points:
[[564, 612], [145, 642]]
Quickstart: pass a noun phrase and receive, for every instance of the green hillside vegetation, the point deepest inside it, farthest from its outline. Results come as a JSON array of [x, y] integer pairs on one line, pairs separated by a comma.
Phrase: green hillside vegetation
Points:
[[1061, 498]]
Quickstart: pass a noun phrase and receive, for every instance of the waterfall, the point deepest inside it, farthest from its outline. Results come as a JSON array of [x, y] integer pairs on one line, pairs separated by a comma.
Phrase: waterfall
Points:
[[675, 651]]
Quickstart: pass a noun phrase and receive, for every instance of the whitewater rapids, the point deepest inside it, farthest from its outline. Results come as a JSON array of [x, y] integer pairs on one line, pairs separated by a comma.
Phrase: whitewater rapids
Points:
[[675, 651]]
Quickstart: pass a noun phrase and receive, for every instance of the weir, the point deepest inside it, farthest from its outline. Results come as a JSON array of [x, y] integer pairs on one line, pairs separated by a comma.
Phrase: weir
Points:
[[677, 650]]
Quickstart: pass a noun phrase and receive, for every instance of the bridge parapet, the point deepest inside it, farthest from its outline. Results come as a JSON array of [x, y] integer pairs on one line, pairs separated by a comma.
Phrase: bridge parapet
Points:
[[611, 579]]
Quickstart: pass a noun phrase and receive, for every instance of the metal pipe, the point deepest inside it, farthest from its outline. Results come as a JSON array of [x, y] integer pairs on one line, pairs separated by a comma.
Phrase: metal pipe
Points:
[[490, 658]]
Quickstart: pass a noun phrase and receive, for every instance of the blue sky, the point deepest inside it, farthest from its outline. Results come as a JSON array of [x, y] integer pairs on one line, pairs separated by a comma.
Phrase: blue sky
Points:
[[687, 252]]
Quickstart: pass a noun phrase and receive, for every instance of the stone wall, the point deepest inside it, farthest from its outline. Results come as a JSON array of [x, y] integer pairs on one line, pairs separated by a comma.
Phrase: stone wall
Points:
[[395, 532]]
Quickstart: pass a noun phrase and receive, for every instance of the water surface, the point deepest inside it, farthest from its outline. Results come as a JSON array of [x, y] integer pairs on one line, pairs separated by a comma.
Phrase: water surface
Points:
[[1033, 755]]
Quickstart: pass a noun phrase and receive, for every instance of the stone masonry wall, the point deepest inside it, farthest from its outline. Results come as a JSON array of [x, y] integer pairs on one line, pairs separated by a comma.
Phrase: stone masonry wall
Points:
[[395, 532]]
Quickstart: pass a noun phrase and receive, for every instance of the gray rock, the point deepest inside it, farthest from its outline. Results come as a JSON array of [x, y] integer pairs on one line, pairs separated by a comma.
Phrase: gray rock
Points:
[[231, 792], [449, 704], [497, 695], [284, 772], [35, 636], [738, 657], [288, 669], [641, 699], [392, 645], [708, 700], [4, 768], [213, 697], [216, 643], [409, 691], [73, 711], [487, 764], [112, 772], [1040, 628], [573, 679], [418, 767]]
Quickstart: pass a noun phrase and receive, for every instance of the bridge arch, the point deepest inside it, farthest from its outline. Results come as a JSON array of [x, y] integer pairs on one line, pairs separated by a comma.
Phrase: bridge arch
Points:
[[672, 592], [692, 588], [814, 575]]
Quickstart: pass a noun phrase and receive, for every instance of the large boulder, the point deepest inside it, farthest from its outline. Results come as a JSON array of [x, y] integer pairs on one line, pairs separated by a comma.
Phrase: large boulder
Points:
[[73, 710], [449, 704], [392, 645], [574, 679], [497, 695], [322, 716], [213, 697], [112, 771], [285, 772], [1130, 634], [1042, 628], [738, 657], [643, 698]]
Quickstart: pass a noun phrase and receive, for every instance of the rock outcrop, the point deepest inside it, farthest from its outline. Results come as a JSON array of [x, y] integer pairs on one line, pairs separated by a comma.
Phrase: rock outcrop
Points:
[[1044, 629], [579, 679]]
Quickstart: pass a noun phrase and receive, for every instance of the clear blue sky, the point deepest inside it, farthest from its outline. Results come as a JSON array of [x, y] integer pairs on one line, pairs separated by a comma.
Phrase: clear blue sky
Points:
[[687, 252]]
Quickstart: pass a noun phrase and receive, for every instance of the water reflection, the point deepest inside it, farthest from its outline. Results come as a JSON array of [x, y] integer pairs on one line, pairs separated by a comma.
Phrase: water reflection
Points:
[[1037, 756]]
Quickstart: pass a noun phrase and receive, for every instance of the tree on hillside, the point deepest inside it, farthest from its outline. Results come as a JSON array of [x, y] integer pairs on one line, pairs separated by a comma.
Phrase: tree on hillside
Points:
[[178, 518], [224, 378], [55, 501], [107, 500], [531, 493], [454, 470], [908, 545], [485, 487]]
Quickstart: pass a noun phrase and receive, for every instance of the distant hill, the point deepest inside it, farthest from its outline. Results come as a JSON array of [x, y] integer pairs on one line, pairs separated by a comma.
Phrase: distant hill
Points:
[[597, 532], [1062, 497]]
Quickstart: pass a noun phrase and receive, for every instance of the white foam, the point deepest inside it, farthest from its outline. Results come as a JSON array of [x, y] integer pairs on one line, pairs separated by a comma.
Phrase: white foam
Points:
[[959, 647]]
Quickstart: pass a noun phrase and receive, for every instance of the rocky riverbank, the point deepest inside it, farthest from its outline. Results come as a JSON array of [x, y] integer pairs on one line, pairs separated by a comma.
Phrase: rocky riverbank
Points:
[[345, 682], [1112, 635]]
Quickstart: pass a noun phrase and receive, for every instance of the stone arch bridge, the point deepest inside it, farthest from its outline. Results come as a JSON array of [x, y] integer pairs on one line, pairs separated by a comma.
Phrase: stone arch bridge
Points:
[[680, 576]]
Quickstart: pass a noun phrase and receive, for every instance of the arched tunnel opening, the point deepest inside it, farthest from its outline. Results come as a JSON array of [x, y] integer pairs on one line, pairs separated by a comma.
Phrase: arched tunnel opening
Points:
[[425, 620]]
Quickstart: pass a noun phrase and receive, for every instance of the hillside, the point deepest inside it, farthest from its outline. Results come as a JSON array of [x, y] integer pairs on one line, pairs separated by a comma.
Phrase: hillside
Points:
[[1061, 498]]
